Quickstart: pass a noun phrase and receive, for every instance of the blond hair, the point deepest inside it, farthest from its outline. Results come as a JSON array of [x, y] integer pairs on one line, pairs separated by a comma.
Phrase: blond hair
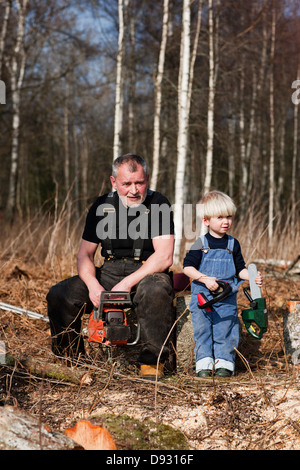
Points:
[[216, 203]]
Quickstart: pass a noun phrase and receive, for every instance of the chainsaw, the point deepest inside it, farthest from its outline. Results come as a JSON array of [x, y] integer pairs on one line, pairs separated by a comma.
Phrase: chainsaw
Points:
[[223, 291], [108, 324], [255, 318]]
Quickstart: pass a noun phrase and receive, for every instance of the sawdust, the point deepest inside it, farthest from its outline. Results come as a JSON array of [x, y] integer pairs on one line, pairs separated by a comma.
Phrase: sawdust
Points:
[[257, 409]]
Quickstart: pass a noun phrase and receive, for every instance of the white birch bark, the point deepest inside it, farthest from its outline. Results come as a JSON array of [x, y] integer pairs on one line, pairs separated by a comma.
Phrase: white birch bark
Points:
[[132, 78], [272, 131], [3, 33], [244, 178], [231, 159], [17, 70], [84, 156], [183, 119], [211, 103], [118, 121], [294, 160], [158, 96]]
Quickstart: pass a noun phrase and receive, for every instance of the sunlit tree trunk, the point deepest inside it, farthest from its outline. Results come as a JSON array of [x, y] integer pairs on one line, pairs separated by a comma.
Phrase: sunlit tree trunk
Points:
[[132, 83], [158, 96], [118, 121], [294, 161], [17, 70], [272, 131], [183, 119], [211, 101]]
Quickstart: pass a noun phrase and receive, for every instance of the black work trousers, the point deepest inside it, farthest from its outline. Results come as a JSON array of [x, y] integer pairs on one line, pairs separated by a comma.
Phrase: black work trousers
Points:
[[152, 297]]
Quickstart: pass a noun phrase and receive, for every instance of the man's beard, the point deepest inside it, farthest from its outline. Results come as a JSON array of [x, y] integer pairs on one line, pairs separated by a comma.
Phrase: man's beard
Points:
[[126, 199]]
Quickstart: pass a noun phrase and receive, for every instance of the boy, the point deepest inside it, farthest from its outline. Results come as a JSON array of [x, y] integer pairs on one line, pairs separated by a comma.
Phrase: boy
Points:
[[216, 256]]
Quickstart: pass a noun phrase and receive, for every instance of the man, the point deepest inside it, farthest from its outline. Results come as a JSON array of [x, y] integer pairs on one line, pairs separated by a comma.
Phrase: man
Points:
[[135, 229]]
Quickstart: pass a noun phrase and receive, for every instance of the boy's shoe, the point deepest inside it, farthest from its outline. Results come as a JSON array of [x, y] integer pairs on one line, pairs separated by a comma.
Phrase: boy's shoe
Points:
[[204, 373], [222, 372], [149, 371]]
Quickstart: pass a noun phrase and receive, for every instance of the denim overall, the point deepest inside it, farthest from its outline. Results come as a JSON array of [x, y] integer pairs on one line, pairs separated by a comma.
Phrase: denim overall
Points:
[[216, 333]]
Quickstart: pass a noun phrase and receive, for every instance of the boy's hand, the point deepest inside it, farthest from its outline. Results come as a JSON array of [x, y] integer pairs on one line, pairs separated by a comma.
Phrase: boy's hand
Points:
[[210, 282], [259, 279]]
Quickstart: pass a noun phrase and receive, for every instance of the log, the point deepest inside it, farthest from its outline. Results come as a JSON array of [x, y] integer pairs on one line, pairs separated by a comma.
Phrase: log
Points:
[[48, 370], [20, 430], [291, 330]]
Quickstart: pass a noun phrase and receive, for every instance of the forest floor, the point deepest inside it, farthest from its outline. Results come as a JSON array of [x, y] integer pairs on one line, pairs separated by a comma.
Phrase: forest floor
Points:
[[256, 409]]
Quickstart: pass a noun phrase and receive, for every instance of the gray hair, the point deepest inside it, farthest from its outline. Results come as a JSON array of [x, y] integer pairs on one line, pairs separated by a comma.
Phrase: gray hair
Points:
[[130, 158]]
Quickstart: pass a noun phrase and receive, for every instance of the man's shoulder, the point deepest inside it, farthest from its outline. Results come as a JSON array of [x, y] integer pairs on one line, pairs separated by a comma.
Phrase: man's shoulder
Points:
[[155, 197], [108, 197]]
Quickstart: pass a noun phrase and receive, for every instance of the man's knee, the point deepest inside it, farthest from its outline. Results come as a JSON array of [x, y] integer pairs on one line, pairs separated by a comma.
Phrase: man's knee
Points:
[[156, 285]]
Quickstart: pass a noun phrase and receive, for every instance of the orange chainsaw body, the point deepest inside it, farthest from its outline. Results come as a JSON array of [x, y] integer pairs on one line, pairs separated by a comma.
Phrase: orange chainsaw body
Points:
[[108, 325], [98, 329]]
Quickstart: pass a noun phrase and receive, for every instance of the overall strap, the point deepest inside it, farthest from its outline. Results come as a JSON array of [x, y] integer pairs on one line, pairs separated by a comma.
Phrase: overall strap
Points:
[[107, 243], [138, 243], [205, 247], [230, 244]]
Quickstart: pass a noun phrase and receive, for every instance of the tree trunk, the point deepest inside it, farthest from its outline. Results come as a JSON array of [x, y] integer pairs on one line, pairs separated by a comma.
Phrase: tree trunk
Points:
[[294, 161], [118, 123], [183, 119], [211, 103], [158, 96], [17, 74], [272, 131], [3, 34]]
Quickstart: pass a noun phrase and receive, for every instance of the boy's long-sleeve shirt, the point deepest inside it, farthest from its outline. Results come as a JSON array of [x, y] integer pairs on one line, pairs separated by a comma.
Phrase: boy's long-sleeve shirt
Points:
[[194, 256]]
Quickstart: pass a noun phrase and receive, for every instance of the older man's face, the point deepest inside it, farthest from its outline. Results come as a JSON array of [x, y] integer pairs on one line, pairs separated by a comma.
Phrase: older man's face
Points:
[[131, 186]]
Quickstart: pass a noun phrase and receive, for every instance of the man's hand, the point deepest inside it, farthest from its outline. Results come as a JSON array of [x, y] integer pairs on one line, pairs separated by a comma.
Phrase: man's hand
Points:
[[95, 292], [87, 271]]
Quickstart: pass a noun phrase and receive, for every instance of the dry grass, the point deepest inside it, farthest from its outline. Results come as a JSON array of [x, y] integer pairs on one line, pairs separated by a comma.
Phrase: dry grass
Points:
[[257, 409]]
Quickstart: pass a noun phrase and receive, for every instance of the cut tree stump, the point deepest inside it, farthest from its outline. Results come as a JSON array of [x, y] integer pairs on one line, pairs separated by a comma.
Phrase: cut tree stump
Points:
[[21, 431]]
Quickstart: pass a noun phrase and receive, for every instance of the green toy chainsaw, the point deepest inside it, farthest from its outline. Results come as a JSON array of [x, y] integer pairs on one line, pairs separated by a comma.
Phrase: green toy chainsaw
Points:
[[255, 318]]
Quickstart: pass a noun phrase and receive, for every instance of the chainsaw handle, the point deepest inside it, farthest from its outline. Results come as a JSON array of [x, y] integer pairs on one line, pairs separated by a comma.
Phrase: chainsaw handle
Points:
[[223, 291], [251, 330]]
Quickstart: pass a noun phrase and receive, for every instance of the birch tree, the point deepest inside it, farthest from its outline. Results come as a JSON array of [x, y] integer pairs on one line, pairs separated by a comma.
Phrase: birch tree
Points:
[[158, 96], [3, 32], [211, 101], [183, 120], [272, 129], [16, 70], [118, 120], [294, 160]]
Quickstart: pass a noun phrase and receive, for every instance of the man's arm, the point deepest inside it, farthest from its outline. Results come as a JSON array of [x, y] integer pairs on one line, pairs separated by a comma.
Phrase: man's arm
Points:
[[87, 271], [159, 261]]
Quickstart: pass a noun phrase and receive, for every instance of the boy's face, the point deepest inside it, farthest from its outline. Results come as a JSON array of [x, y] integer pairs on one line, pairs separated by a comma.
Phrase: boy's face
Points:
[[218, 226]]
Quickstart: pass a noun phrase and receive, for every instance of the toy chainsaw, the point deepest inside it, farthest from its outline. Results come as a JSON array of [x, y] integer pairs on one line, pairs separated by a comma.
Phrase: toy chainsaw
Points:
[[255, 318], [219, 294], [108, 324]]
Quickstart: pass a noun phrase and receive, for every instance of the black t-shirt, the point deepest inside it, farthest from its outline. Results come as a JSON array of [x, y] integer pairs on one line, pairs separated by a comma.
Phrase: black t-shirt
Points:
[[114, 226], [194, 256]]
